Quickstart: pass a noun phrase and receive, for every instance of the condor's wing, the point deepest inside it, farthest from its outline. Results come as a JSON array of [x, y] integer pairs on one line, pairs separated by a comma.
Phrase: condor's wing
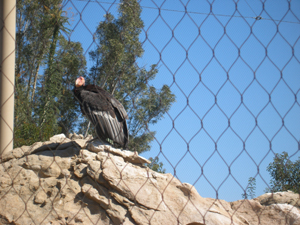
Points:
[[115, 103], [105, 114]]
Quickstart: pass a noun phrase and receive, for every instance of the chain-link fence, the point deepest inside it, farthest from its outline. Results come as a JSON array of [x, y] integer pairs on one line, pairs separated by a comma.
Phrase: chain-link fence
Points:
[[211, 89]]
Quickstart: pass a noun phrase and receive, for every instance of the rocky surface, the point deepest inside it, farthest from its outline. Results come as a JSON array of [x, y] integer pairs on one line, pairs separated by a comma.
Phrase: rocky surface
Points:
[[80, 181]]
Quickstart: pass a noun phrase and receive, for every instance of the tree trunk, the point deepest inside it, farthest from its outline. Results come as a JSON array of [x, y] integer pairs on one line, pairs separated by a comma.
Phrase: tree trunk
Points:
[[34, 83]]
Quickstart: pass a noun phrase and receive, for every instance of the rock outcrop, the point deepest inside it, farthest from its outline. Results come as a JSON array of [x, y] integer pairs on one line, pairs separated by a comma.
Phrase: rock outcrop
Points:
[[80, 181]]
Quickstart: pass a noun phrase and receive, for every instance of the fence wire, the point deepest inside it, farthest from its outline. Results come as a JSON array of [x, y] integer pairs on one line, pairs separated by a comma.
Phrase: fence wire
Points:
[[233, 67]]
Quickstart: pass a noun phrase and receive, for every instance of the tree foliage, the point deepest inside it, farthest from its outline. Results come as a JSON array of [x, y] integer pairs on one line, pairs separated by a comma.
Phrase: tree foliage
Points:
[[156, 165], [250, 189], [116, 70], [285, 174], [46, 65]]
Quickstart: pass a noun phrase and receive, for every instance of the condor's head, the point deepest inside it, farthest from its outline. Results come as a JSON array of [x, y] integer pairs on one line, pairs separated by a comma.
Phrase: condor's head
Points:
[[79, 82]]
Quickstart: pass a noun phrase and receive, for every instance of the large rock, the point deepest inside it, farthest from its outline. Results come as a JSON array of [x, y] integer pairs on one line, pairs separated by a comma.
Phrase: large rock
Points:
[[77, 181]]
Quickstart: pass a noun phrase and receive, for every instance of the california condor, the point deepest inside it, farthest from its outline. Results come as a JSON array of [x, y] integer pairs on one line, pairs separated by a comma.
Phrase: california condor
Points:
[[105, 112]]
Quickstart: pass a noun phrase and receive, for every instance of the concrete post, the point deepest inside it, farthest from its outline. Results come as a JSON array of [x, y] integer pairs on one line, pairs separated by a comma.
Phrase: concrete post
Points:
[[7, 73]]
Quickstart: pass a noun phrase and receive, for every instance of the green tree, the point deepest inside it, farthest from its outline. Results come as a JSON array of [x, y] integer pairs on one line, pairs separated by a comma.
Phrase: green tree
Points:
[[250, 189], [46, 65], [32, 42], [52, 79], [116, 70], [156, 165], [285, 175]]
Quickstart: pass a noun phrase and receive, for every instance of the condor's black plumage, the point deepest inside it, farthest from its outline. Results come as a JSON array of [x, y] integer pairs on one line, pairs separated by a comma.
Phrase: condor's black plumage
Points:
[[105, 112]]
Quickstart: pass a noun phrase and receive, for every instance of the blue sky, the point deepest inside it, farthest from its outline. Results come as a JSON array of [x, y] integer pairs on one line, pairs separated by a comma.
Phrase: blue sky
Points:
[[235, 79]]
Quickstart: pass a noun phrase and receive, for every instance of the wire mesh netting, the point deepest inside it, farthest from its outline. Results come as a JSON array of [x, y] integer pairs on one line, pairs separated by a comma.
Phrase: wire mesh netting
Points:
[[211, 89]]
